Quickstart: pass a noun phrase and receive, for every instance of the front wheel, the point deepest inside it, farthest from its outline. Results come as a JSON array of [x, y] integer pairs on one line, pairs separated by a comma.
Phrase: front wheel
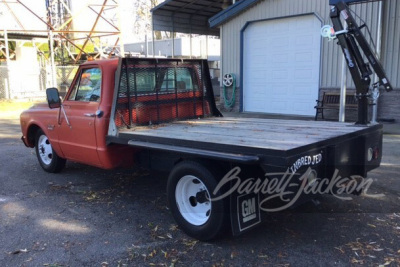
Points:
[[189, 191], [47, 157]]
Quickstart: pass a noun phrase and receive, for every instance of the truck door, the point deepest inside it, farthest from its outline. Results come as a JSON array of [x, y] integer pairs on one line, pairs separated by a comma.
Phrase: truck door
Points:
[[77, 133]]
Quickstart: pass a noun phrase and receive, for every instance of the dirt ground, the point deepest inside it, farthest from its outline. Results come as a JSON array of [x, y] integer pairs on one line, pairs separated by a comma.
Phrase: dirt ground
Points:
[[85, 216]]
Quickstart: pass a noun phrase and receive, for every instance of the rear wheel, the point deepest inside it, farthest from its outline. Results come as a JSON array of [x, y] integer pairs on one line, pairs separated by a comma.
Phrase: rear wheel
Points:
[[189, 191], [47, 157]]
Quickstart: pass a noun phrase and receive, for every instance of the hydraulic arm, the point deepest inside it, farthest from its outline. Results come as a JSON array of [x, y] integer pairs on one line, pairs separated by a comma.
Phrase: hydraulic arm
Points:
[[352, 41]]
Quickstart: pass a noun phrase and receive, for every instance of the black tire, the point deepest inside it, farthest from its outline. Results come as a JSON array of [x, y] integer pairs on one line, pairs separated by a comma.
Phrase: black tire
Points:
[[190, 213], [47, 157]]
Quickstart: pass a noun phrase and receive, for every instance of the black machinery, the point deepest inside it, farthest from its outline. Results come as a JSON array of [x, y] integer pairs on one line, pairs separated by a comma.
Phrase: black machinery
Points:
[[352, 41]]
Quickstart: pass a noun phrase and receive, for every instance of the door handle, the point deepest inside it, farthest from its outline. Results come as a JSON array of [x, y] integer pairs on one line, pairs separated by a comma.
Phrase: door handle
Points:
[[98, 114]]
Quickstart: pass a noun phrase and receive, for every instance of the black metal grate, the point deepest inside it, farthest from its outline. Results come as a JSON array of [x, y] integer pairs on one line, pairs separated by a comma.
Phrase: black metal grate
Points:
[[154, 91]]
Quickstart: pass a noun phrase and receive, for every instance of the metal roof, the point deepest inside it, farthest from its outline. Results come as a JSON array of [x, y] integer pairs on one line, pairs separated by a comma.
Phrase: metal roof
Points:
[[240, 6], [187, 16], [230, 12], [23, 35]]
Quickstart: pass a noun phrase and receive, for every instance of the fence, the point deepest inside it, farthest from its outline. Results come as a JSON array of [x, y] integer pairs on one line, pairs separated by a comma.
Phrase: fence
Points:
[[4, 92], [31, 83]]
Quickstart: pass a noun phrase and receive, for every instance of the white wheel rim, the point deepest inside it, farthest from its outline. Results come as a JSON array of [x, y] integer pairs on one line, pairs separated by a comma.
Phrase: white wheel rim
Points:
[[193, 200], [45, 150]]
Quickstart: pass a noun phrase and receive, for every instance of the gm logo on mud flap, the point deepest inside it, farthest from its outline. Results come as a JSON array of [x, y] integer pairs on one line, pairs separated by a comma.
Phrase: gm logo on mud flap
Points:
[[248, 211]]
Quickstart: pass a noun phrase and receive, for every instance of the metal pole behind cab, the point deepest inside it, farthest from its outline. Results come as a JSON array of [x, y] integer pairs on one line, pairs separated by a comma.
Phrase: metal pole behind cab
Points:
[[53, 66], [343, 90], [375, 93], [121, 36], [154, 38], [7, 83]]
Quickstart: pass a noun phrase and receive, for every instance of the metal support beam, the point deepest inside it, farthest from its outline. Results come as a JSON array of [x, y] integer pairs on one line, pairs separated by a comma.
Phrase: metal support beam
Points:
[[343, 88], [146, 42], [191, 39], [95, 36], [207, 47], [362, 83], [59, 27], [53, 65], [120, 37], [106, 20], [50, 26], [12, 13], [375, 91], [191, 45], [66, 31], [91, 31], [154, 38], [7, 83]]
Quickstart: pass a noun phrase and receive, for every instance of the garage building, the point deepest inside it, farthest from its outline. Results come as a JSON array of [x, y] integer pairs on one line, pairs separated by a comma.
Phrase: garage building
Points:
[[281, 63], [275, 50]]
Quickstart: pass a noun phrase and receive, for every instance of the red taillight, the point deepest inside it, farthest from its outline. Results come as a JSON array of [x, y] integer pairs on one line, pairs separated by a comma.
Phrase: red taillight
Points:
[[373, 153], [376, 152]]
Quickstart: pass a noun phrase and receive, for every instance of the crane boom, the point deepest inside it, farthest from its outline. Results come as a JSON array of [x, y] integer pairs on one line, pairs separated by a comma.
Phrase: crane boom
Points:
[[352, 42]]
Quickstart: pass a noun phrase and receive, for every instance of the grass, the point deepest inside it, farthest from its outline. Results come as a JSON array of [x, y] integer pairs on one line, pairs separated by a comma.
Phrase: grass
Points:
[[11, 109], [10, 106]]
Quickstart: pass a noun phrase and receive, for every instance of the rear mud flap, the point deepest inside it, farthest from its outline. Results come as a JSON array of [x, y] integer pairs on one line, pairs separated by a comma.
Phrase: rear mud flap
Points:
[[245, 212]]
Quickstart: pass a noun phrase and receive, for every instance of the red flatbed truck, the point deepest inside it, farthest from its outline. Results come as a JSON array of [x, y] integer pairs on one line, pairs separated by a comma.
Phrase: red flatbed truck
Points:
[[161, 114]]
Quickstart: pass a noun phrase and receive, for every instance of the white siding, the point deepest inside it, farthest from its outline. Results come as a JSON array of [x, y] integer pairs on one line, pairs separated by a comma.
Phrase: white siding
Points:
[[331, 58]]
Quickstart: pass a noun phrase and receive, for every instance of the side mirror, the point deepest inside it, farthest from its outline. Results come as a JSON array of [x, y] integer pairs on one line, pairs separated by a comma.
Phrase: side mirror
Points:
[[53, 98]]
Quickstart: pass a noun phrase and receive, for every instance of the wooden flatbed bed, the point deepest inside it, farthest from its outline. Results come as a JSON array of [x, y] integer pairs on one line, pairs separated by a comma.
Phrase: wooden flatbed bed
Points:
[[242, 136]]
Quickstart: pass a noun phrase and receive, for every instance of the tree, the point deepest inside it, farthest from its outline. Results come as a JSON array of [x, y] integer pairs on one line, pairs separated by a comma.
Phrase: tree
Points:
[[142, 10]]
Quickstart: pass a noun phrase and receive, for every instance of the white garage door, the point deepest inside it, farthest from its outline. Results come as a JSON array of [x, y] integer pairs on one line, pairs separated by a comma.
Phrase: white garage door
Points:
[[281, 62]]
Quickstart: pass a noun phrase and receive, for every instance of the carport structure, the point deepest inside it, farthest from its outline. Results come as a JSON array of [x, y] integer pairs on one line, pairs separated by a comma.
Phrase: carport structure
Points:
[[188, 16]]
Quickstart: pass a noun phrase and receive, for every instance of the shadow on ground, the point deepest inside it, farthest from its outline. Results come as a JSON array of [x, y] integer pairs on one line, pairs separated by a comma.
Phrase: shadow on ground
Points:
[[85, 216]]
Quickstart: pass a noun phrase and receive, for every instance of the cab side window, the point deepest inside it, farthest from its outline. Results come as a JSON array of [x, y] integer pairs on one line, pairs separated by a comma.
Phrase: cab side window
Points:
[[88, 86]]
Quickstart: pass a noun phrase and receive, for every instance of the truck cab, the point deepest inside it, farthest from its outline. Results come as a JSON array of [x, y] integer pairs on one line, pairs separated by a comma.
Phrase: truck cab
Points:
[[77, 130]]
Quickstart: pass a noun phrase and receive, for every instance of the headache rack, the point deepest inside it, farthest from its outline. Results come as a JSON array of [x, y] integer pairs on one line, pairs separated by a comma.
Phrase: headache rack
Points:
[[154, 91]]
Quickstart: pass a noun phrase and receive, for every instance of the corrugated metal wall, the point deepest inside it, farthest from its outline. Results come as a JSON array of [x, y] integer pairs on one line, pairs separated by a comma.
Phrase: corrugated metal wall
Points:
[[391, 41], [331, 58], [389, 102]]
